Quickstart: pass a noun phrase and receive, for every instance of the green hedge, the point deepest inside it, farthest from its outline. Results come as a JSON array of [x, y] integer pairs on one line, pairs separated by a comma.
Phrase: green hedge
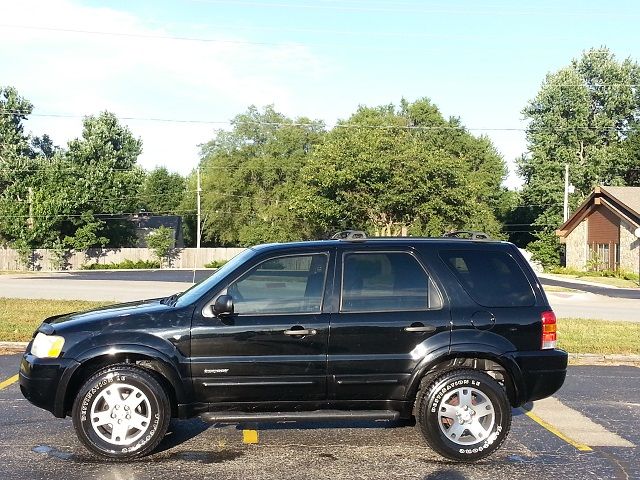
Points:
[[215, 264], [125, 264]]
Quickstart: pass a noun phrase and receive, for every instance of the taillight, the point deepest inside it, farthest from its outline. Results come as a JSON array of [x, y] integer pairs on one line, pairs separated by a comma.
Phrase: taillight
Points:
[[549, 330]]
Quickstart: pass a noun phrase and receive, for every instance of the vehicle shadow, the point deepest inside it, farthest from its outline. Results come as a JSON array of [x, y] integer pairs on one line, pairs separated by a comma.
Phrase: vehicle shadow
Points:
[[445, 474], [181, 431]]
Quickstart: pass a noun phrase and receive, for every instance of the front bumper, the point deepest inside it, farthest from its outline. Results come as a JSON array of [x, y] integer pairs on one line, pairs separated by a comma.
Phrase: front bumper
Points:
[[43, 381], [542, 373]]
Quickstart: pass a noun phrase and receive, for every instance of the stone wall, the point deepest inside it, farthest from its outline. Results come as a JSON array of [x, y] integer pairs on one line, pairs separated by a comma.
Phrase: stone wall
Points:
[[577, 248], [629, 247], [181, 258]]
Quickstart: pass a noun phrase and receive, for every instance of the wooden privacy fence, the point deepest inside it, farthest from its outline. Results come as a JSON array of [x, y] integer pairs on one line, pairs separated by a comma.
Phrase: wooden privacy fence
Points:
[[45, 260]]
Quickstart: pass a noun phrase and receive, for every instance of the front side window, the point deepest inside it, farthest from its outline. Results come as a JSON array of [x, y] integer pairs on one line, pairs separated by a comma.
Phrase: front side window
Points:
[[386, 281], [292, 284]]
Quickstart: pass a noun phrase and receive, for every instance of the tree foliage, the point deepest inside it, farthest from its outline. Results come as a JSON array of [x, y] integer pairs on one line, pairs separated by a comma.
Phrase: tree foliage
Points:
[[78, 196], [248, 176], [162, 191], [581, 117], [402, 170]]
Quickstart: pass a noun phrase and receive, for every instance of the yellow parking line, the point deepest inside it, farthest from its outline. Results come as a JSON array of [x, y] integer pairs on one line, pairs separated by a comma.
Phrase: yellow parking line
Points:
[[249, 436], [579, 446], [8, 381]]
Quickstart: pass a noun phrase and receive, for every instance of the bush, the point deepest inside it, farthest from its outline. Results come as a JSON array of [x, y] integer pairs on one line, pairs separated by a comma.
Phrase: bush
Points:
[[215, 264], [595, 273], [125, 264]]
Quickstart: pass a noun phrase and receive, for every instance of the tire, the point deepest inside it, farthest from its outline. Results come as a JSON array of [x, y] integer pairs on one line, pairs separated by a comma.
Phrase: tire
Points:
[[130, 396], [464, 415]]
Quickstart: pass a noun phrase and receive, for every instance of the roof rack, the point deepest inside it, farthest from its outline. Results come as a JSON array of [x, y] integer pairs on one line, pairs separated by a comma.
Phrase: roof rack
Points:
[[467, 234], [350, 235]]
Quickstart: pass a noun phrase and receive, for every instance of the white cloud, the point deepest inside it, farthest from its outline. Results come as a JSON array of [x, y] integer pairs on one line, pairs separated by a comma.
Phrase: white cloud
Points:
[[137, 76]]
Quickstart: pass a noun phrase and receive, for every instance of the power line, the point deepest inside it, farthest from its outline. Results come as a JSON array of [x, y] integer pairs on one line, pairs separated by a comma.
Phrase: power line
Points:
[[498, 10], [337, 125]]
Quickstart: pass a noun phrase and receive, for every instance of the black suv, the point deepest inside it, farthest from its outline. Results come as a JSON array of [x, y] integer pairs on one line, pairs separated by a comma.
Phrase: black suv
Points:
[[450, 331]]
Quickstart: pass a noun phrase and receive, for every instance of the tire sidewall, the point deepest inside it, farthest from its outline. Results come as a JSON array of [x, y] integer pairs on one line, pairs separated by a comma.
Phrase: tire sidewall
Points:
[[90, 392], [429, 415]]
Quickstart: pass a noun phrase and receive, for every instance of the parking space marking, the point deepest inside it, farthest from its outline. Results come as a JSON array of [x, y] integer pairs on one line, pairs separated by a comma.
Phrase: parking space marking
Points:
[[249, 436], [570, 424], [558, 433], [8, 381]]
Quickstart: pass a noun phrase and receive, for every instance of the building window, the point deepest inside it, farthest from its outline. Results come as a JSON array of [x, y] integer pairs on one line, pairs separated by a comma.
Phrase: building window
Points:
[[604, 256]]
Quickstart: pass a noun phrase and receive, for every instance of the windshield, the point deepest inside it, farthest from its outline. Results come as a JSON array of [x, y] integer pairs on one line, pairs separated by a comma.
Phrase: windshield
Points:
[[201, 288]]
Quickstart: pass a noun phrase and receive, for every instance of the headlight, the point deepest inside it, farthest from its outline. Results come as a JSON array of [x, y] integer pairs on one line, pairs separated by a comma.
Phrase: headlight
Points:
[[47, 346]]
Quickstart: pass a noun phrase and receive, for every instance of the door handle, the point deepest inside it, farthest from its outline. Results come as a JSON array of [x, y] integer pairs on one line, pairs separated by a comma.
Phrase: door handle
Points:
[[300, 332], [420, 327]]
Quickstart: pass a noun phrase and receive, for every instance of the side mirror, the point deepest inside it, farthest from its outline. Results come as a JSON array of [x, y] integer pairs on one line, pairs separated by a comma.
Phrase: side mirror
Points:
[[223, 305]]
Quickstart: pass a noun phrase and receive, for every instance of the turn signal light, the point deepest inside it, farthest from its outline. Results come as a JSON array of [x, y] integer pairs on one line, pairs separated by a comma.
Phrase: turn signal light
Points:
[[549, 330]]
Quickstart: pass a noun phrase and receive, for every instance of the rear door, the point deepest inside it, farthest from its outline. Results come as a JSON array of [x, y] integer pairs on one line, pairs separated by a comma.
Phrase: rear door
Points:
[[274, 346], [389, 306]]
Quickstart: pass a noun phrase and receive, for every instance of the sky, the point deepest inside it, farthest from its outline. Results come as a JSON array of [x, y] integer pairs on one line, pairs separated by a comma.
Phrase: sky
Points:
[[175, 71]]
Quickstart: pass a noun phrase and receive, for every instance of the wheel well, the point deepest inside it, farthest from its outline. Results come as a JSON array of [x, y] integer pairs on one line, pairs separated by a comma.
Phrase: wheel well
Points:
[[92, 366], [491, 367]]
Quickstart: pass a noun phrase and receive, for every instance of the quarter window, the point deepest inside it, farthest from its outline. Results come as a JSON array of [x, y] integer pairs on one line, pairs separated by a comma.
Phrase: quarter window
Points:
[[492, 278], [384, 281], [292, 284]]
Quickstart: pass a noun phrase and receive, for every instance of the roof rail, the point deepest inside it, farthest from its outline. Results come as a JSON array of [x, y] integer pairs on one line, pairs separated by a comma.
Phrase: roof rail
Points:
[[350, 235], [467, 234]]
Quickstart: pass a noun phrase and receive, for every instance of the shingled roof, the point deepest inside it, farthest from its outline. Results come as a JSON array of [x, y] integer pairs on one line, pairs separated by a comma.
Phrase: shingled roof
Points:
[[623, 201]]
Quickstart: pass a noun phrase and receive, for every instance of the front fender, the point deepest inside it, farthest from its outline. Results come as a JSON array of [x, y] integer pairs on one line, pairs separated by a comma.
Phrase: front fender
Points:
[[164, 360]]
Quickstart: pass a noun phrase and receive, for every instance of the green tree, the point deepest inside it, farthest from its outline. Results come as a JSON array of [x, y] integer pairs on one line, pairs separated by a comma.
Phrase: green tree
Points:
[[161, 242], [81, 195], [397, 171], [162, 191], [581, 117], [248, 177]]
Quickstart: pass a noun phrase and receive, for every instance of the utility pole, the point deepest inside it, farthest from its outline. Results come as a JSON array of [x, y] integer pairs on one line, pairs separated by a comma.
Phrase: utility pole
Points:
[[30, 200], [566, 193], [198, 226]]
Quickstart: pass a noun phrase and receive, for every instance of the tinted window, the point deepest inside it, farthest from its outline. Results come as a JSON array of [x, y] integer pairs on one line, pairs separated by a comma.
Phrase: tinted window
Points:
[[292, 284], [373, 282], [493, 279]]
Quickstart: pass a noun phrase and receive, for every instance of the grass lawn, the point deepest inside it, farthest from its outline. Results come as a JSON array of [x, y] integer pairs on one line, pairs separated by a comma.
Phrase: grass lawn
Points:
[[580, 335], [19, 317]]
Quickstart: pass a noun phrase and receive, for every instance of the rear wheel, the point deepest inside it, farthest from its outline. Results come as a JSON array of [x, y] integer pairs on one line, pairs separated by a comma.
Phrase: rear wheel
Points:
[[464, 415], [122, 412]]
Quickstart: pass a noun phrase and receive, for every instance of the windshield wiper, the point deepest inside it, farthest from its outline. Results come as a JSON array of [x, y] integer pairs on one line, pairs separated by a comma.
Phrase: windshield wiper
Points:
[[170, 300]]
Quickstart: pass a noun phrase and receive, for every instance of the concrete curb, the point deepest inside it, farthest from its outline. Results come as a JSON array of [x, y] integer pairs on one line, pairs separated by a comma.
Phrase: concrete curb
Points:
[[13, 347], [574, 358], [603, 359]]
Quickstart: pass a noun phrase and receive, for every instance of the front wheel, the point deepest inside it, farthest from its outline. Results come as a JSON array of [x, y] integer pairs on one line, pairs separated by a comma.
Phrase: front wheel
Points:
[[464, 415], [121, 412]]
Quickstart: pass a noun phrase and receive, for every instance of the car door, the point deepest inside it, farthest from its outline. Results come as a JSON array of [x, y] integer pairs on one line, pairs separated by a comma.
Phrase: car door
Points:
[[390, 310], [274, 346]]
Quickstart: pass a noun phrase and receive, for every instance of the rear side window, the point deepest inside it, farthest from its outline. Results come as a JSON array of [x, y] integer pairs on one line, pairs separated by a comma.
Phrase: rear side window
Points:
[[386, 281], [492, 278]]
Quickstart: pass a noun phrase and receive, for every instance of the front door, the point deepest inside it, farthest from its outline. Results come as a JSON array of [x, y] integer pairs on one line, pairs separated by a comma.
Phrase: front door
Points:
[[274, 346], [390, 310]]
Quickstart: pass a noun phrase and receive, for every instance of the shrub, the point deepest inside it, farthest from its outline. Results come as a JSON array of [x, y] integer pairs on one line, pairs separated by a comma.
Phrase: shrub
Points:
[[161, 242], [125, 264], [215, 264]]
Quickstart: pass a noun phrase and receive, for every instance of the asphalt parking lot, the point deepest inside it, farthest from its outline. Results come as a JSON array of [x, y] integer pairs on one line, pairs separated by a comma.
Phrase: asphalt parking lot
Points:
[[35, 445]]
